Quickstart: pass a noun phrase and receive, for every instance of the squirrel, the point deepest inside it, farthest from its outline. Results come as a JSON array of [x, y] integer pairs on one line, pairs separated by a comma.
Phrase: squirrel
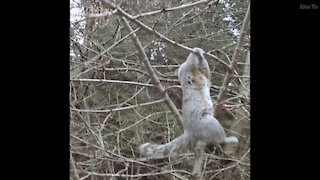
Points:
[[200, 125]]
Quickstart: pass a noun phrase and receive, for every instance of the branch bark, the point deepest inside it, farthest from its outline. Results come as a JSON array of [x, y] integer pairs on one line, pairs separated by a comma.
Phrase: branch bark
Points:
[[187, 5], [183, 6], [116, 109], [240, 124], [121, 12], [234, 60], [113, 81], [153, 76], [198, 157], [73, 165], [134, 175]]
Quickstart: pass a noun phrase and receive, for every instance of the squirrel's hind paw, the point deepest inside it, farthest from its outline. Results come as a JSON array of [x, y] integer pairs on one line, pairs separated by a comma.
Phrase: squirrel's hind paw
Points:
[[232, 140]]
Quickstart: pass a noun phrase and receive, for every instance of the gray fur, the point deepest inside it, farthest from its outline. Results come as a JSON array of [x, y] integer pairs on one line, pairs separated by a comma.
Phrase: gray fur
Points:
[[200, 126]]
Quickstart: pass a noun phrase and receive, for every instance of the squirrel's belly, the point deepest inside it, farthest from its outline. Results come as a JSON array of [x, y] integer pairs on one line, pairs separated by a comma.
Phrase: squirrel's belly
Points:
[[195, 106]]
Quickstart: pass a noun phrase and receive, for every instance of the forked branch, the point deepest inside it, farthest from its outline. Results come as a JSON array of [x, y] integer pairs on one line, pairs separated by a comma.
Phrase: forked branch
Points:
[[234, 60], [152, 74], [121, 12]]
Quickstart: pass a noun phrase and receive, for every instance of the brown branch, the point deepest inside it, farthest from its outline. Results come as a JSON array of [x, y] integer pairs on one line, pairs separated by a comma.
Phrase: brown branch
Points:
[[164, 10], [121, 12], [87, 124], [96, 15], [112, 81], [234, 60], [119, 158], [198, 157], [73, 165], [134, 175], [152, 74], [104, 14], [130, 126], [116, 109], [99, 54], [240, 124], [115, 44]]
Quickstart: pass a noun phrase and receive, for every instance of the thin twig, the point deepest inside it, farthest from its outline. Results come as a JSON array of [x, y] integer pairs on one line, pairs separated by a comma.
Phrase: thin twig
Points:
[[157, 34], [119, 158], [164, 10], [117, 109], [73, 165], [97, 15], [113, 81], [134, 175], [152, 74], [130, 126], [234, 60]]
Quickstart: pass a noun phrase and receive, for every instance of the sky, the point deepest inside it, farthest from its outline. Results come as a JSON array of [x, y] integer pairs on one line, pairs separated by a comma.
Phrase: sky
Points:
[[75, 13]]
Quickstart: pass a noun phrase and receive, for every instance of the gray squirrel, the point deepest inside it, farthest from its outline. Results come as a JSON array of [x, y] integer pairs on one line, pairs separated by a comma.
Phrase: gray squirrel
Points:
[[200, 125]]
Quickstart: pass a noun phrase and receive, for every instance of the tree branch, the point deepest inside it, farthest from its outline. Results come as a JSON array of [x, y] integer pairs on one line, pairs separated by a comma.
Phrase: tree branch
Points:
[[198, 156], [152, 74], [164, 10], [234, 60], [116, 109], [187, 5], [134, 175], [121, 12], [112, 81], [73, 165]]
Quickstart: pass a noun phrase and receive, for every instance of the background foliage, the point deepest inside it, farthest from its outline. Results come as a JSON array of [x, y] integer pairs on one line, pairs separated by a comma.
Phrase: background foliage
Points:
[[110, 119]]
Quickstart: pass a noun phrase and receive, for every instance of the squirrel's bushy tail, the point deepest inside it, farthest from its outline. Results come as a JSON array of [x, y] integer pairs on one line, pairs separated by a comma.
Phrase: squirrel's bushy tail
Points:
[[162, 150]]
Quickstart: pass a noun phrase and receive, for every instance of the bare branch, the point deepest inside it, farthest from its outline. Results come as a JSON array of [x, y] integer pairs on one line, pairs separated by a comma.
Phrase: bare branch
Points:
[[234, 60], [144, 118], [112, 46], [198, 157], [112, 81], [109, 122], [74, 167], [97, 15], [135, 175], [104, 14], [164, 10], [152, 74], [157, 34], [116, 109]]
